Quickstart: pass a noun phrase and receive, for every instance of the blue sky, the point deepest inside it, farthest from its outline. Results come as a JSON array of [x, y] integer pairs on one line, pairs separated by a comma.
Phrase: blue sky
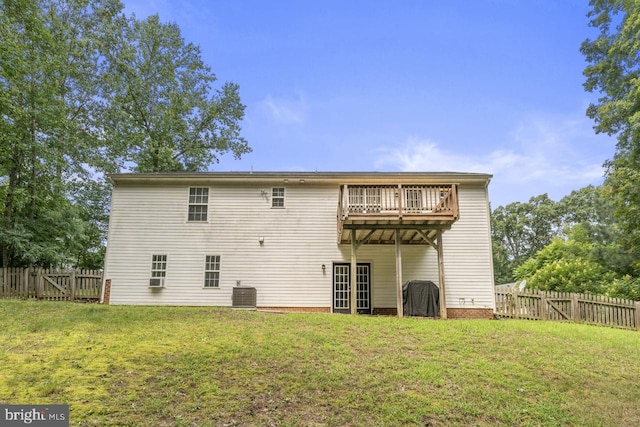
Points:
[[492, 86]]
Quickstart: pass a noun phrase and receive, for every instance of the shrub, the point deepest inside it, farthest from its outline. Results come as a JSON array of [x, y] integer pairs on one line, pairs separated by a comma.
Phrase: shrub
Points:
[[625, 287], [570, 275]]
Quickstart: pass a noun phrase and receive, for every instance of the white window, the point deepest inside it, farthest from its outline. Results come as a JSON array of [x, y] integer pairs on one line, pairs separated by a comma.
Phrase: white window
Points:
[[212, 271], [277, 197], [198, 204], [414, 198], [159, 266]]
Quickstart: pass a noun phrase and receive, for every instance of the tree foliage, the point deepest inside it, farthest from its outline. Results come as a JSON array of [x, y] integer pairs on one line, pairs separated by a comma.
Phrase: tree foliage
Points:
[[583, 254], [519, 230], [566, 266], [49, 77], [85, 90], [614, 73], [163, 115]]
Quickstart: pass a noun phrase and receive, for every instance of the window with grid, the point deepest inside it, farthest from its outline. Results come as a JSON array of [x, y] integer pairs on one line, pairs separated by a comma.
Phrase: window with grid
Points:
[[277, 197], [356, 199], [413, 198], [158, 266], [212, 271], [374, 199], [198, 203]]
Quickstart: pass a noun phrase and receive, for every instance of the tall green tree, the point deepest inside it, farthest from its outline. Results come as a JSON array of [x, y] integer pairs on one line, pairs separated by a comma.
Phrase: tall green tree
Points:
[[519, 230], [164, 113], [84, 90], [584, 254], [614, 74], [588, 217], [47, 76]]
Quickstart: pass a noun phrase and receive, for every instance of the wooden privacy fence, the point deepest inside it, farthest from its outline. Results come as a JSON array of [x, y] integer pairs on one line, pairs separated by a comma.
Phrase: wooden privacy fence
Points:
[[49, 284], [569, 307]]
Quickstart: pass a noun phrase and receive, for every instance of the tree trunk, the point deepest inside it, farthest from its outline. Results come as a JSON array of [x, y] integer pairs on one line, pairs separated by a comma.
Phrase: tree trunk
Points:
[[9, 202]]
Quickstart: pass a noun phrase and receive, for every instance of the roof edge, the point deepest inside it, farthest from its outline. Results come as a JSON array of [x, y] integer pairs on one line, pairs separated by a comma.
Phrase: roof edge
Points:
[[299, 177]]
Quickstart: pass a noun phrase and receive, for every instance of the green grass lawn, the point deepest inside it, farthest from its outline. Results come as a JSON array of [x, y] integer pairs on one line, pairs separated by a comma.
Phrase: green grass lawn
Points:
[[166, 366]]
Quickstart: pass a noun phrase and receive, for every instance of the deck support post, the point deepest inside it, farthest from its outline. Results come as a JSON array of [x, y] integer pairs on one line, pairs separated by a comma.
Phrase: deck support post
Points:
[[354, 274], [443, 302], [399, 303]]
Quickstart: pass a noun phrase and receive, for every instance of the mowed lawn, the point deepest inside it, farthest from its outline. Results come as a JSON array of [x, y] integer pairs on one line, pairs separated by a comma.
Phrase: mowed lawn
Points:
[[181, 366]]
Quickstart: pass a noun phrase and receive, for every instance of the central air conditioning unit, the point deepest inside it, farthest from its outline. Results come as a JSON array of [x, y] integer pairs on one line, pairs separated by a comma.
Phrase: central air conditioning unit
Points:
[[156, 282], [243, 297]]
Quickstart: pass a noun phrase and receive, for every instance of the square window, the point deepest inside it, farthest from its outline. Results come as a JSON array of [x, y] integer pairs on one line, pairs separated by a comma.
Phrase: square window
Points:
[[198, 204]]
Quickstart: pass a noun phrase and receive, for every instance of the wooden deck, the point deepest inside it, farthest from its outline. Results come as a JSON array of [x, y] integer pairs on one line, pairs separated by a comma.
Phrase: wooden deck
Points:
[[377, 211]]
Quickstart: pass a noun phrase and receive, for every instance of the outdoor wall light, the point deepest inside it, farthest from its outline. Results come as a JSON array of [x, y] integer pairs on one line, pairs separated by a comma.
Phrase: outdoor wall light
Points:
[[323, 268], [261, 240]]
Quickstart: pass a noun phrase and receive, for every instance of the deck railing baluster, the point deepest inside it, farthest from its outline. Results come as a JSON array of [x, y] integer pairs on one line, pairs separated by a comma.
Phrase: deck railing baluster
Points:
[[423, 200]]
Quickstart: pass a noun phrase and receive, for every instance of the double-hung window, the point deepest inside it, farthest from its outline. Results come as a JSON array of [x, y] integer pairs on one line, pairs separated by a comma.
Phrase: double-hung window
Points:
[[159, 266], [277, 197], [413, 198], [212, 271], [158, 271], [198, 204]]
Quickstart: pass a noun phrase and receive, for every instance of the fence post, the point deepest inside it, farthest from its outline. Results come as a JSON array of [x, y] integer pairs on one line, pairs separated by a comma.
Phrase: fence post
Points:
[[543, 305], [102, 287], [4, 281], [72, 284], [637, 314], [36, 283], [40, 282], [515, 304], [575, 308], [25, 282]]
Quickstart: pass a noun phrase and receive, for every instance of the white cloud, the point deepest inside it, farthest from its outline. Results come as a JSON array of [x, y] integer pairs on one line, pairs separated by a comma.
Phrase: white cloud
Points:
[[284, 110], [425, 155], [541, 155]]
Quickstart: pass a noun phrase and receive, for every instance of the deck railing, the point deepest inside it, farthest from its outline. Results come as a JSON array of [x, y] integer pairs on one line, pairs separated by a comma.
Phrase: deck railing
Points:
[[399, 200]]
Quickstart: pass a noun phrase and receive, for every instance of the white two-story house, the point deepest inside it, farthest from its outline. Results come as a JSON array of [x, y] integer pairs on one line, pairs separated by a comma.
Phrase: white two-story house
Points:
[[298, 241]]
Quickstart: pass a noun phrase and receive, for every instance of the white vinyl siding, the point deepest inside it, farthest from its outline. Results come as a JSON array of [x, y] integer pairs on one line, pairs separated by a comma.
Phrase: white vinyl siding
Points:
[[286, 269], [467, 253]]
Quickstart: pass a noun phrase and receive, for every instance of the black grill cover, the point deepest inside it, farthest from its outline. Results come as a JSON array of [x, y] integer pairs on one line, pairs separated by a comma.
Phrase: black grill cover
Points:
[[421, 298]]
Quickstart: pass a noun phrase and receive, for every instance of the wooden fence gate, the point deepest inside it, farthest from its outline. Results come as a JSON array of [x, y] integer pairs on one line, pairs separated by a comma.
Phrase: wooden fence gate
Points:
[[569, 307], [50, 284]]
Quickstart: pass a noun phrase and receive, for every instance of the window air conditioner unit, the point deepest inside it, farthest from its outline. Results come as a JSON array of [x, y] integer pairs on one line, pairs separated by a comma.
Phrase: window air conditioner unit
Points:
[[156, 282]]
